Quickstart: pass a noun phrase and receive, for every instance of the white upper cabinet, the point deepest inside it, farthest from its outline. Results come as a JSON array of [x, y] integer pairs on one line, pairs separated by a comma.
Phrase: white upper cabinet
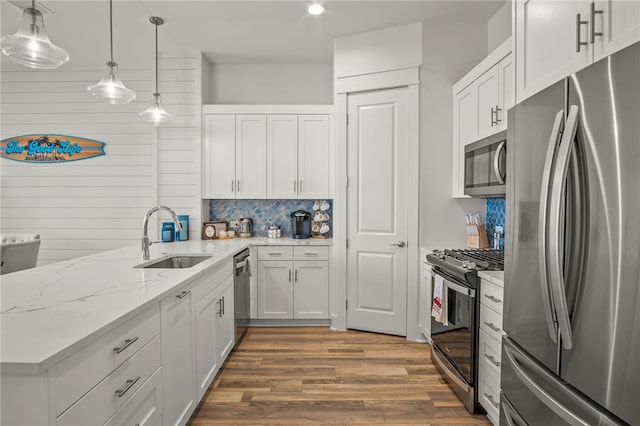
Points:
[[251, 153], [234, 151], [282, 156], [219, 152], [313, 156], [557, 38], [480, 103]]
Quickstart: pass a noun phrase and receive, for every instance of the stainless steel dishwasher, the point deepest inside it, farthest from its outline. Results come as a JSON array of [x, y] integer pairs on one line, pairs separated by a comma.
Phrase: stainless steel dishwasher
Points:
[[242, 289]]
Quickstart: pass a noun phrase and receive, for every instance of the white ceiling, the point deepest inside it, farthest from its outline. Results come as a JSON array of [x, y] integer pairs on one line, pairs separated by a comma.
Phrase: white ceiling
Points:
[[235, 31]]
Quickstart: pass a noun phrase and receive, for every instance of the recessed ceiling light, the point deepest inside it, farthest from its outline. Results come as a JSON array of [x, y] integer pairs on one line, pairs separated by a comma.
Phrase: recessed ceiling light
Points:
[[316, 9]]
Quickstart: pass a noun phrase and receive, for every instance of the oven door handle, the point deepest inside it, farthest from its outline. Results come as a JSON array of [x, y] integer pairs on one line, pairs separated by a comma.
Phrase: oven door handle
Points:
[[460, 289]]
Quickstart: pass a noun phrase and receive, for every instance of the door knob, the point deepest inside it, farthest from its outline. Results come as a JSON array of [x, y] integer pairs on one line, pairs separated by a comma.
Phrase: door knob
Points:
[[399, 244]]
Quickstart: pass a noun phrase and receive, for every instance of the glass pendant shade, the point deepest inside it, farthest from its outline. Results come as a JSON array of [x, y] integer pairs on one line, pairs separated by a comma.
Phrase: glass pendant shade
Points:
[[31, 46], [111, 88], [156, 113]]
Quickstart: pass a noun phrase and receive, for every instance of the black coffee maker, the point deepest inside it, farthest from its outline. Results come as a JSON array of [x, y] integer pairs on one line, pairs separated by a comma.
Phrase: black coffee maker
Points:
[[300, 224]]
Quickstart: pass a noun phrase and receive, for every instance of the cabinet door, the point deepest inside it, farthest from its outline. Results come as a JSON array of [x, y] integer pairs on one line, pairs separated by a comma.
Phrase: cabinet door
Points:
[[619, 24], [488, 88], [282, 156], [219, 152], [251, 152], [507, 90], [311, 289], [178, 372], [465, 130], [546, 43], [206, 359], [275, 291], [225, 320], [427, 300], [313, 156]]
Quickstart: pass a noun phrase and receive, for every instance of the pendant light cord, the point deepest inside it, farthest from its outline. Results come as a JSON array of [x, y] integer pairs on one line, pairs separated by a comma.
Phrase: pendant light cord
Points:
[[156, 25], [111, 27]]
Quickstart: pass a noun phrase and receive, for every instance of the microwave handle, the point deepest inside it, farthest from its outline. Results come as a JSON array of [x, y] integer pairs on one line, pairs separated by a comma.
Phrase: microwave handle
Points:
[[496, 163]]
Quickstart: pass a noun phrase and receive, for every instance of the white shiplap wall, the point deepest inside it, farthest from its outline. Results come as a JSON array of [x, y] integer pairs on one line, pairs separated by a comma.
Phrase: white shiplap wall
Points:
[[93, 205], [179, 140]]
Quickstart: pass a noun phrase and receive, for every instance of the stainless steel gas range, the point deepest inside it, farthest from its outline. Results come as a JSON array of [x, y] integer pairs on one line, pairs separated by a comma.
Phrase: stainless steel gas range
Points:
[[455, 327]]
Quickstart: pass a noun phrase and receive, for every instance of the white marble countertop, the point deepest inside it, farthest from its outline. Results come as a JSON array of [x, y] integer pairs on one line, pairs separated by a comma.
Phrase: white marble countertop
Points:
[[49, 312], [496, 277]]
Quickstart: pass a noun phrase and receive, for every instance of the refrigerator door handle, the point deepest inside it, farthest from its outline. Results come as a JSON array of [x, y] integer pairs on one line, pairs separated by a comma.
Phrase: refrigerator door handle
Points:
[[556, 228], [510, 414], [543, 216], [496, 163]]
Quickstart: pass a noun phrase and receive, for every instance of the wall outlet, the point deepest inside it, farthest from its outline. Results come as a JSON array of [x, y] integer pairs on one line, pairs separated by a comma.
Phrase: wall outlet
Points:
[[234, 224]]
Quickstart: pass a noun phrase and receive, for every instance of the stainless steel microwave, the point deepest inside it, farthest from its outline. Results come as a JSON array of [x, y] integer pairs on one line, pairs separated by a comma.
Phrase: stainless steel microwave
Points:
[[485, 166]]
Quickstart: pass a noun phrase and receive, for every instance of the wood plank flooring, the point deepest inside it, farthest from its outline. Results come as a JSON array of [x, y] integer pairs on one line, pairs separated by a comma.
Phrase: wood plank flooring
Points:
[[313, 375]]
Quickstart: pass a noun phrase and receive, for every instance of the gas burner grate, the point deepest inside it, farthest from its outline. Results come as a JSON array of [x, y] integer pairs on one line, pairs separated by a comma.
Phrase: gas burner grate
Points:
[[494, 257]]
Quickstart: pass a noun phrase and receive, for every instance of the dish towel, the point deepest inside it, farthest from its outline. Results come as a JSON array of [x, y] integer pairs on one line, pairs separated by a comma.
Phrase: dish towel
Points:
[[438, 308]]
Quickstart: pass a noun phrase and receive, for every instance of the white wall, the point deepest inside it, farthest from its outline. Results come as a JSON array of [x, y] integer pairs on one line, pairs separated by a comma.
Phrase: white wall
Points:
[[271, 84], [499, 27], [88, 206], [442, 223]]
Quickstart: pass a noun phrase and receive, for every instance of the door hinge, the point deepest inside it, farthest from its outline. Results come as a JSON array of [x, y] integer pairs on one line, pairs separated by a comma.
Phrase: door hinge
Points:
[[347, 182], [347, 243], [346, 304], [347, 119]]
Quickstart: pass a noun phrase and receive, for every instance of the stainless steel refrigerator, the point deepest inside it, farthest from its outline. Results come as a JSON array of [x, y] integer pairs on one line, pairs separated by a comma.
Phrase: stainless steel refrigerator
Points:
[[571, 353]]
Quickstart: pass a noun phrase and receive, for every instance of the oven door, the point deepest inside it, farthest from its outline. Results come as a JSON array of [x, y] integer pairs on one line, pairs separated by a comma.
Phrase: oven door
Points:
[[454, 335]]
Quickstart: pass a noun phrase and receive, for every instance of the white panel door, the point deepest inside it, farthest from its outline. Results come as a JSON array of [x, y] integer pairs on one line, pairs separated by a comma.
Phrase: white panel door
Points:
[[377, 211], [619, 24], [206, 359], [507, 90], [225, 325], [546, 42], [488, 101], [282, 156], [275, 291], [251, 151], [219, 156], [311, 289], [313, 156]]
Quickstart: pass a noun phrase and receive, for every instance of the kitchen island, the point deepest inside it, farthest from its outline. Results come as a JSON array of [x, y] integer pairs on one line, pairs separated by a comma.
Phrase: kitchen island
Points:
[[52, 313]]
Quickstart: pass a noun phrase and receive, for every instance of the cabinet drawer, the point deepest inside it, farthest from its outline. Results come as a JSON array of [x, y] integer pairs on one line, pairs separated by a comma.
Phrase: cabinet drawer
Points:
[[491, 296], [275, 253], [144, 408], [311, 253], [489, 395], [491, 322], [489, 355], [109, 395], [77, 374]]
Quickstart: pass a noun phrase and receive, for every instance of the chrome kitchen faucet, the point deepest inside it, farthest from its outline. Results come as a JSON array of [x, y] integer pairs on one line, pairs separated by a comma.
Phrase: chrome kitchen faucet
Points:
[[145, 238]]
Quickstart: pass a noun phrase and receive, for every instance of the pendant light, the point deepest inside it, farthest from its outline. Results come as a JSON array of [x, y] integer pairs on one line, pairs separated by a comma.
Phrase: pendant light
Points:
[[155, 114], [31, 46], [110, 88]]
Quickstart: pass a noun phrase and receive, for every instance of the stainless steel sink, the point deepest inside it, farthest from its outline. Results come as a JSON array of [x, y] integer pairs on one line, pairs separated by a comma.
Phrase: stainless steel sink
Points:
[[176, 261]]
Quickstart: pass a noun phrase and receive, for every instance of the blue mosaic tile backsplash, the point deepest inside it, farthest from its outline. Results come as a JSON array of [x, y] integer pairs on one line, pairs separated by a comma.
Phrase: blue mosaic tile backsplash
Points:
[[264, 213], [496, 213]]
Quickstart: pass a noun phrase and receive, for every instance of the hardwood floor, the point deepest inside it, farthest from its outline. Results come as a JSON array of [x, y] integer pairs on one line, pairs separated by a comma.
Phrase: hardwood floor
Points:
[[312, 375]]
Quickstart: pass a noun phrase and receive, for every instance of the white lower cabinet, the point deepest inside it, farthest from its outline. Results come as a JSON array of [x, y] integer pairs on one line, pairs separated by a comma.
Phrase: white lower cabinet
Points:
[[178, 358], [425, 299], [293, 282], [225, 320], [490, 344], [145, 406]]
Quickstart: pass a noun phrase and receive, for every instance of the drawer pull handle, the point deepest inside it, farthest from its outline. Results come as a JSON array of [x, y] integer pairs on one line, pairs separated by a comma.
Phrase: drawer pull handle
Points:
[[491, 400], [127, 343], [311, 254], [492, 360], [493, 299], [183, 294], [273, 253], [492, 326], [130, 383]]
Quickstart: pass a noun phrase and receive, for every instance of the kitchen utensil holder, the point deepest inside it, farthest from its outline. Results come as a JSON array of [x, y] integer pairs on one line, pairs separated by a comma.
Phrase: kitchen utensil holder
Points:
[[478, 237]]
